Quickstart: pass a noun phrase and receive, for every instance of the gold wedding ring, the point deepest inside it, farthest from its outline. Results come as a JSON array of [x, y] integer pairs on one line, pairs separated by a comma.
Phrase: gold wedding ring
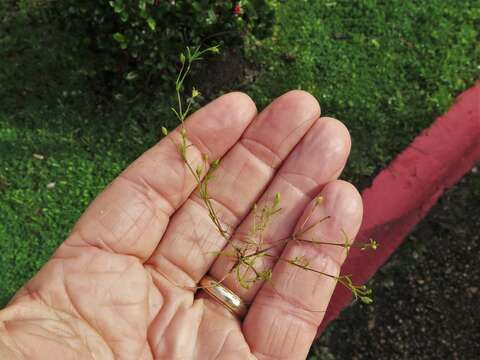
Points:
[[224, 296]]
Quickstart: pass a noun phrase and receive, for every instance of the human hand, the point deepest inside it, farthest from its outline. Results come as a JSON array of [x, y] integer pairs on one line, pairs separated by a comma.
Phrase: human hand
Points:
[[122, 285]]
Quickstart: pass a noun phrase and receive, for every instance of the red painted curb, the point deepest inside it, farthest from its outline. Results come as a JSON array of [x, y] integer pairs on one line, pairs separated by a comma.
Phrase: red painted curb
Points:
[[403, 193]]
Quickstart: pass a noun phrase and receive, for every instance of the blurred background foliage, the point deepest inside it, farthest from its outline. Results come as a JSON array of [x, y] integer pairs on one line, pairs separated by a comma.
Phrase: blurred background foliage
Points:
[[136, 42], [85, 87]]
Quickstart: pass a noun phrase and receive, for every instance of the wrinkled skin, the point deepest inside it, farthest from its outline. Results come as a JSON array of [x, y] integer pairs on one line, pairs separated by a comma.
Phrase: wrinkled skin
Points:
[[122, 284]]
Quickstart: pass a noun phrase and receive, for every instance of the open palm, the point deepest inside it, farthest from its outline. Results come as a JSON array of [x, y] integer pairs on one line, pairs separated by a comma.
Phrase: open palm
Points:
[[122, 285]]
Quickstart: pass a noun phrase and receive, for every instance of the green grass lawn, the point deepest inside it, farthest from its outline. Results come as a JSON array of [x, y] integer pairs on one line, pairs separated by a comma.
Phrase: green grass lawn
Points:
[[41, 198], [385, 68]]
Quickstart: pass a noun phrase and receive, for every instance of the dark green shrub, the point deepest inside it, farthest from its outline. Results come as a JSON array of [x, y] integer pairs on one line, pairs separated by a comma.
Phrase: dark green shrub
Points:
[[138, 41]]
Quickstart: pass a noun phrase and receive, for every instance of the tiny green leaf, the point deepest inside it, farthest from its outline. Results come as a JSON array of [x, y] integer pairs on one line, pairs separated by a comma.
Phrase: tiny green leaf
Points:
[[119, 37], [366, 300], [164, 131], [132, 75], [214, 49], [152, 24], [195, 93], [215, 164], [276, 200], [124, 16]]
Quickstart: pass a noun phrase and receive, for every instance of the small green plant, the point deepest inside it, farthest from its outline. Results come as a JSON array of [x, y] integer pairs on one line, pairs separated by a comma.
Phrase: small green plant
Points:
[[248, 250]]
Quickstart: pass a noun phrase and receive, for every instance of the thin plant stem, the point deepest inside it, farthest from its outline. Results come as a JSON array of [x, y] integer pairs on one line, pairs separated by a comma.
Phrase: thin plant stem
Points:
[[253, 249]]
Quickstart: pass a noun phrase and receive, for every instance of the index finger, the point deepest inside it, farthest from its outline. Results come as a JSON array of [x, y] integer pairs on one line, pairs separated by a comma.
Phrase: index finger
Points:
[[132, 213]]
